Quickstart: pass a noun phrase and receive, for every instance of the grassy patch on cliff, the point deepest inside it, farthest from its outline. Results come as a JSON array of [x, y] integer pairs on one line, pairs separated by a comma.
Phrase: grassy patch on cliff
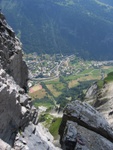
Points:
[[51, 123], [46, 119], [109, 78], [100, 84], [54, 127]]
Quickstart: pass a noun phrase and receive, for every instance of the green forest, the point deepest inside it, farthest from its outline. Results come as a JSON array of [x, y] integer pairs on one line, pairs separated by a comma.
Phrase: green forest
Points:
[[63, 26]]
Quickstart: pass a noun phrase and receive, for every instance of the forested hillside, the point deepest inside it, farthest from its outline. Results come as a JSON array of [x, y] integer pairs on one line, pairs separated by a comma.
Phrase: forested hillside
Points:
[[63, 26]]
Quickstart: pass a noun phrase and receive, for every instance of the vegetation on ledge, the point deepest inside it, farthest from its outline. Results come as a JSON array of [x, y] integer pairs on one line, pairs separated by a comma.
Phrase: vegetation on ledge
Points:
[[109, 78]]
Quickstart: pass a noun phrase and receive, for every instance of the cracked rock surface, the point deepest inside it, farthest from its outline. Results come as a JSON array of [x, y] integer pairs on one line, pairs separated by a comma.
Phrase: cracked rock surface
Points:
[[83, 127], [19, 128]]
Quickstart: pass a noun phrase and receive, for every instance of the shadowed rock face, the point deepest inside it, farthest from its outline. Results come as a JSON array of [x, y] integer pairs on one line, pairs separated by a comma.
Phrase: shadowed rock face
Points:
[[87, 129], [13, 100], [11, 54], [15, 108], [18, 118]]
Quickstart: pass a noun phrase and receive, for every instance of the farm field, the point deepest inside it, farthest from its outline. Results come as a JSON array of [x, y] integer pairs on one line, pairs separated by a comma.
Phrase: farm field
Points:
[[75, 77]]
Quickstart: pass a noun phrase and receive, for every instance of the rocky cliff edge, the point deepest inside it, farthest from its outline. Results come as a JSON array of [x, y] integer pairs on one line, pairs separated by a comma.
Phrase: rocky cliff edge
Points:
[[19, 128], [84, 128]]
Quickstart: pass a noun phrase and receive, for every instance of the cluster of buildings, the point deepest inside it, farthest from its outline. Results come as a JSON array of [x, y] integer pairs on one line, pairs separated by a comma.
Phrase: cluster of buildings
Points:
[[48, 67]]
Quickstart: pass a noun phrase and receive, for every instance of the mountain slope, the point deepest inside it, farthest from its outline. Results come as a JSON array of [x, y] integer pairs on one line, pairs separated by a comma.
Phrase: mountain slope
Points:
[[66, 26]]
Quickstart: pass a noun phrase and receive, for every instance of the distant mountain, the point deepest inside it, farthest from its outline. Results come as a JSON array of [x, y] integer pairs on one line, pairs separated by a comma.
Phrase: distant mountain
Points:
[[63, 26]]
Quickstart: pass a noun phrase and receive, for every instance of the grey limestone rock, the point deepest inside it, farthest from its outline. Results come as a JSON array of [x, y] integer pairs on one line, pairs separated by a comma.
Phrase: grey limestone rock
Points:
[[18, 118], [13, 114], [102, 100], [5, 146], [90, 129], [69, 139], [34, 137], [92, 91], [11, 54]]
